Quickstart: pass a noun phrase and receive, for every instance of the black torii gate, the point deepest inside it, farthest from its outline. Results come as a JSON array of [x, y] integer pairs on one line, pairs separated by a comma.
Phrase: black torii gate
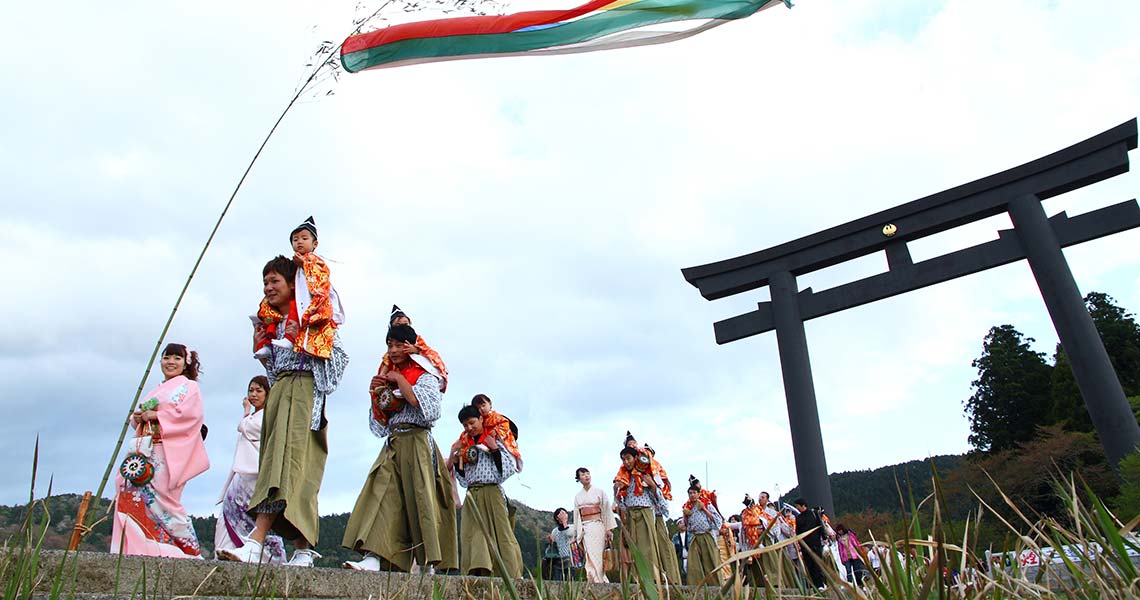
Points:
[[1018, 191]]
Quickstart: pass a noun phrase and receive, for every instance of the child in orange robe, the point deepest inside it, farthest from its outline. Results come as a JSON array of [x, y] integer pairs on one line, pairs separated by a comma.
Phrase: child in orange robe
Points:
[[314, 314], [398, 317], [498, 425]]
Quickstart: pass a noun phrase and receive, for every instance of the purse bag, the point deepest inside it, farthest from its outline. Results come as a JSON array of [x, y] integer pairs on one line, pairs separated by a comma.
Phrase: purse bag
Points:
[[609, 560], [576, 558], [138, 466]]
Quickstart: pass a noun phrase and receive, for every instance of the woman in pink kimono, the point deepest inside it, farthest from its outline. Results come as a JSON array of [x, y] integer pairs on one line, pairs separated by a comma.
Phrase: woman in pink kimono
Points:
[[167, 451]]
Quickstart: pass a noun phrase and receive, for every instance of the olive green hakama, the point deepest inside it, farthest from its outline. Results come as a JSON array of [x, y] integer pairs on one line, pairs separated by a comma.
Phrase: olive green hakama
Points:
[[486, 503], [667, 553], [406, 510], [291, 462], [640, 531], [704, 556]]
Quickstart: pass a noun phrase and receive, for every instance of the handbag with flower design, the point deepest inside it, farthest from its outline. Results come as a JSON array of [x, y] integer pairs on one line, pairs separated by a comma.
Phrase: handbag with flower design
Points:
[[137, 467]]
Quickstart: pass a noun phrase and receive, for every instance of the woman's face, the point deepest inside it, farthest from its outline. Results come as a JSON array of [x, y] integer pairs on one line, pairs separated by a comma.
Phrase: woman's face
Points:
[[584, 477], [256, 396], [562, 517], [173, 365]]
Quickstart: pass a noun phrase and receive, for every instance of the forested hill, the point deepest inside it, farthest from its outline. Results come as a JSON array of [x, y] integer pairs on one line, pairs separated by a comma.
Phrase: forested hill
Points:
[[854, 492], [878, 489]]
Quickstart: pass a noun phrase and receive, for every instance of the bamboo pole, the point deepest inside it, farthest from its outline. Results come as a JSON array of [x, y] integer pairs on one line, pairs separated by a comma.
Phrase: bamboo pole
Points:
[[177, 303], [77, 532]]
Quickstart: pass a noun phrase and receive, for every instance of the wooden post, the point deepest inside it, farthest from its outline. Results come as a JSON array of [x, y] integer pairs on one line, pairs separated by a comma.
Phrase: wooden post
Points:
[[80, 520]]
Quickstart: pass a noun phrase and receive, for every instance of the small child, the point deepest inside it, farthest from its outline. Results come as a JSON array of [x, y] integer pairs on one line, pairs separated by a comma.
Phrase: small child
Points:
[[497, 425], [398, 317], [315, 312], [707, 498]]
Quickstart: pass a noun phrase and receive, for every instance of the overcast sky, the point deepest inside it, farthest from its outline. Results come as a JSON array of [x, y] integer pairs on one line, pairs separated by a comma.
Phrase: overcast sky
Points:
[[532, 215]]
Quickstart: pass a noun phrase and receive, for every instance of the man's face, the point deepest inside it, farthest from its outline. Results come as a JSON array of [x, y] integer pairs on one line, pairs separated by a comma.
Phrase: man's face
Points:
[[303, 242], [627, 461], [473, 427], [278, 290], [398, 350], [763, 499]]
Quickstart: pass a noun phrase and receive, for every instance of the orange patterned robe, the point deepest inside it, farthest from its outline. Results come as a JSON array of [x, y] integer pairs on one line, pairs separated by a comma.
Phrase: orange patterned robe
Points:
[[658, 470], [501, 427], [623, 478], [494, 423], [427, 352], [753, 523], [316, 327], [411, 372], [706, 497]]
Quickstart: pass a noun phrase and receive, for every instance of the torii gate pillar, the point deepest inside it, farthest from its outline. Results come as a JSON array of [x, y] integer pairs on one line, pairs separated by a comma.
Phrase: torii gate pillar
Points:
[[799, 390], [1104, 397]]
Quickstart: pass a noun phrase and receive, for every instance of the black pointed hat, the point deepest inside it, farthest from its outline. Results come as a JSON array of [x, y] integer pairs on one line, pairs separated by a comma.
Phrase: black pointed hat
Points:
[[309, 225]]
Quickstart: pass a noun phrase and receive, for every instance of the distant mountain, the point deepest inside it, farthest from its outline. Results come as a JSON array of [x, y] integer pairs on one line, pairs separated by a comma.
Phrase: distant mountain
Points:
[[853, 492], [876, 489]]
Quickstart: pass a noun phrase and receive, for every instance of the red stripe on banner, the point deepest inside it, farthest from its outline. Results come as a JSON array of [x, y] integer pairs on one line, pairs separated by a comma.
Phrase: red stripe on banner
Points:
[[465, 26]]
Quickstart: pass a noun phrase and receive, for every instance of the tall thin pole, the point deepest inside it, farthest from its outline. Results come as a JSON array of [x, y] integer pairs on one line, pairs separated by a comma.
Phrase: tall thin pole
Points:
[[194, 270]]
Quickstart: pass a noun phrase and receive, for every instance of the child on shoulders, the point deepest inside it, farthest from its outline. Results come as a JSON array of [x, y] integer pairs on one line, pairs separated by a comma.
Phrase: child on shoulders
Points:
[[497, 425], [398, 317], [314, 313]]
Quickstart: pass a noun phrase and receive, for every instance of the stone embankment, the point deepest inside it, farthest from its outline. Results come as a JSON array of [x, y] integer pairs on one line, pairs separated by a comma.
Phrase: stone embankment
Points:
[[99, 575]]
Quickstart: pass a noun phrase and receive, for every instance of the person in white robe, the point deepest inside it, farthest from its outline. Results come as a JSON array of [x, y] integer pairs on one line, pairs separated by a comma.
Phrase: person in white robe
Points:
[[593, 525], [234, 523]]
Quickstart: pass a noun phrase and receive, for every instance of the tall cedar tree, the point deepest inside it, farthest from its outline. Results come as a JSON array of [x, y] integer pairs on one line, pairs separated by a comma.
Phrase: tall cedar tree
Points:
[[1121, 336], [1011, 392]]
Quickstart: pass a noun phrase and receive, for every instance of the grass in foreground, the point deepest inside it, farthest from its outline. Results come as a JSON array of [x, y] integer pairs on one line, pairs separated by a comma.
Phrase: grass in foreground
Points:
[[1085, 553]]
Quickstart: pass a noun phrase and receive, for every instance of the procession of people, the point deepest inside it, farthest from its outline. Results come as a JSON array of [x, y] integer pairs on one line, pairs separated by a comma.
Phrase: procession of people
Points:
[[405, 516]]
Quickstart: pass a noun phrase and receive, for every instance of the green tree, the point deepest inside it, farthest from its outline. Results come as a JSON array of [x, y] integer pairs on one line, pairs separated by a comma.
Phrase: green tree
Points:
[[1010, 393], [1127, 504], [1121, 336]]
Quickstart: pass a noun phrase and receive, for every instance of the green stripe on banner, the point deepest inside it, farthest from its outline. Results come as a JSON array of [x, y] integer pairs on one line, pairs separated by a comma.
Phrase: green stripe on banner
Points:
[[631, 16]]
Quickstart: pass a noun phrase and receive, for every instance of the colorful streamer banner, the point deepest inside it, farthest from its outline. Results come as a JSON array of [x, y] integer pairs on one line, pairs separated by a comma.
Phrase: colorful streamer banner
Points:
[[596, 25]]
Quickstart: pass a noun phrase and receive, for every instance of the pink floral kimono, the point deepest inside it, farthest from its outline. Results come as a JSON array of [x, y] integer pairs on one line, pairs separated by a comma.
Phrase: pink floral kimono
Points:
[[149, 518]]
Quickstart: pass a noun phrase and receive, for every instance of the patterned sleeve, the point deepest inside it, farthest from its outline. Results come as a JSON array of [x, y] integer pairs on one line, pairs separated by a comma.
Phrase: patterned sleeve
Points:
[[327, 372], [380, 431], [485, 471], [662, 503], [427, 393]]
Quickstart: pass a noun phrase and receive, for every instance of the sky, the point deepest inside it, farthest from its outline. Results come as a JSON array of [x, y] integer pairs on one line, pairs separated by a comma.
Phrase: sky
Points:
[[532, 216]]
